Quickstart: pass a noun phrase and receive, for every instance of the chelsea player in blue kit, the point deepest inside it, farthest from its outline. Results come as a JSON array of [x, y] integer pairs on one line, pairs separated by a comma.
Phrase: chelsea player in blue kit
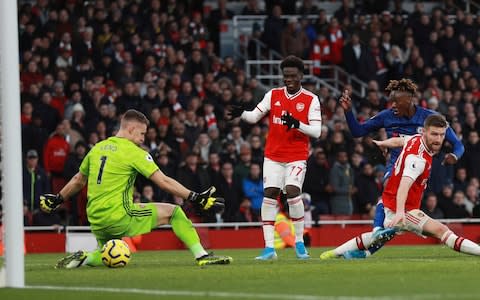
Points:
[[404, 118]]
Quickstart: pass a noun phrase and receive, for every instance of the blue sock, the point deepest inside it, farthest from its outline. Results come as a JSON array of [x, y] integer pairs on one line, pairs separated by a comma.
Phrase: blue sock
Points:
[[379, 215]]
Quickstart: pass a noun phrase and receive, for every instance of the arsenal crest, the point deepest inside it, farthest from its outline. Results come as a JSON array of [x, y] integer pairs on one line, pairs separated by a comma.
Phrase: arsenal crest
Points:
[[300, 106]]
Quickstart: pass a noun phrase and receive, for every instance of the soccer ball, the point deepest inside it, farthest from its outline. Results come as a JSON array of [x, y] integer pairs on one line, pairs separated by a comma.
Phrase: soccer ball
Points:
[[115, 254]]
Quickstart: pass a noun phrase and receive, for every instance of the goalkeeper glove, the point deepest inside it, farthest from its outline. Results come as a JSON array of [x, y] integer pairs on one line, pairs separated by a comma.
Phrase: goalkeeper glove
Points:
[[50, 202], [204, 201], [289, 121], [235, 111]]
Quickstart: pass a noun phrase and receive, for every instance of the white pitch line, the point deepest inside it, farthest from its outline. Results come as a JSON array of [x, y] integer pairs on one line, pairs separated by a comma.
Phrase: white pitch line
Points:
[[194, 294]]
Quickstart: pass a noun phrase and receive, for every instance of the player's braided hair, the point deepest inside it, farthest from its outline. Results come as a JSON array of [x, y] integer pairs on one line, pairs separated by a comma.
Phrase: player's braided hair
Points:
[[292, 61], [402, 85]]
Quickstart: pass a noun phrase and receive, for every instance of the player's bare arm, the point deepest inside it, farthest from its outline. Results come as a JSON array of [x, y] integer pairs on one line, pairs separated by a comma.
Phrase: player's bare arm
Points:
[[395, 142], [403, 188], [169, 184], [74, 185], [203, 200], [50, 202]]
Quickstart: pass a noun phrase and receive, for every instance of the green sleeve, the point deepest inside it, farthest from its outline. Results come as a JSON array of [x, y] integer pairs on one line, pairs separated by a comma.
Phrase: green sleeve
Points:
[[143, 163], [85, 164]]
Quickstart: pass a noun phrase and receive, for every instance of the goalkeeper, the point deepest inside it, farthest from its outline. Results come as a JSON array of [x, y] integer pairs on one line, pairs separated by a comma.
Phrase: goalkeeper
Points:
[[110, 168]]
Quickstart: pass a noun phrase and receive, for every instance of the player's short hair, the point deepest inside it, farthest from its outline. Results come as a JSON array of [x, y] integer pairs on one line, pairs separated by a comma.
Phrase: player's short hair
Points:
[[134, 115], [292, 61], [402, 85], [435, 120]]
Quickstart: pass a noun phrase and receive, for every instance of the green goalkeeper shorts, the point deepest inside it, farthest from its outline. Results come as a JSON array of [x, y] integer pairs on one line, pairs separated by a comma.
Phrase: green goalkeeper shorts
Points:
[[129, 226]]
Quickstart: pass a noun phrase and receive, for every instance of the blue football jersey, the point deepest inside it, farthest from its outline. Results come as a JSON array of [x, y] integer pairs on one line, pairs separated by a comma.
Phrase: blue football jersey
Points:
[[399, 126]]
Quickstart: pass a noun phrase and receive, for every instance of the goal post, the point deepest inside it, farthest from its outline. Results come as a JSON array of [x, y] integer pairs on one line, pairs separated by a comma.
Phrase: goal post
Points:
[[11, 148]]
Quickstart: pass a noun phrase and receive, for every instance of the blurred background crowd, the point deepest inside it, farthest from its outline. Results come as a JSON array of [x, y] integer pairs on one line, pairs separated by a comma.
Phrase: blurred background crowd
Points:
[[84, 63]]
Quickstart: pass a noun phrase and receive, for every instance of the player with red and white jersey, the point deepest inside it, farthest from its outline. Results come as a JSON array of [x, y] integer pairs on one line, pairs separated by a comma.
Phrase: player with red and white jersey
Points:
[[415, 162], [403, 192], [294, 115]]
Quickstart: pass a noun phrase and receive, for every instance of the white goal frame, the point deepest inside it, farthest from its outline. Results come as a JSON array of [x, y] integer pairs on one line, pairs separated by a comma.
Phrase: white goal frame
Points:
[[12, 273]]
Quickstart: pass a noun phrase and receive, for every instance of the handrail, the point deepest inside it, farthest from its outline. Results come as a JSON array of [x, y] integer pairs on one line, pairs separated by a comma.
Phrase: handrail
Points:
[[469, 3]]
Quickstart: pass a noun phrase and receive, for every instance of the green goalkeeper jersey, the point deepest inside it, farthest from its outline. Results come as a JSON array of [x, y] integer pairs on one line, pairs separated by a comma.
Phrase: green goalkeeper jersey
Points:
[[112, 167]]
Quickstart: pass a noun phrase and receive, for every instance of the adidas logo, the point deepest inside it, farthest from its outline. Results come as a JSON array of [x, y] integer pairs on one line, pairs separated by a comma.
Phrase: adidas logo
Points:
[[277, 103]]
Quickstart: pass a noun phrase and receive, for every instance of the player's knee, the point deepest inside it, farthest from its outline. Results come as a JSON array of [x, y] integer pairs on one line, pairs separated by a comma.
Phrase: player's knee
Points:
[[438, 229], [292, 191], [164, 212], [271, 192], [442, 228]]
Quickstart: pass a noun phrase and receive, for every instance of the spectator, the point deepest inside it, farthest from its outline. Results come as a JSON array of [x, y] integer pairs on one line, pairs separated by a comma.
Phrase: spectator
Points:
[[251, 8], [54, 157], [396, 63], [257, 149], [272, 29], [213, 167], [442, 174], [431, 208], [449, 44], [197, 64], [357, 59], [191, 175], [317, 182], [472, 155], [253, 188], [342, 182], [150, 100], [231, 191], [72, 136], [34, 135], [216, 17], [49, 115], [147, 194], [27, 112], [345, 11], [215, 142], [460, 181], [35, 183], [243, 166], [471, 198], [31, 76], [202, 146], [336, 41], [178, 142], [457, 208], [320, 54], [367, 190], [294, 39], [168, 168], [78, 203]]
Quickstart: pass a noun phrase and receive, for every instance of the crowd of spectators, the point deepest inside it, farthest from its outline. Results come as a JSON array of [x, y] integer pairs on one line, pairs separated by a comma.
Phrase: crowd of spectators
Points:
[[84, 63]]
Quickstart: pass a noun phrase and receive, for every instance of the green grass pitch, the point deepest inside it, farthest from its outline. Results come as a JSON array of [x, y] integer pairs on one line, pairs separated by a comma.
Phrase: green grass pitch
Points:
[[412, 272]]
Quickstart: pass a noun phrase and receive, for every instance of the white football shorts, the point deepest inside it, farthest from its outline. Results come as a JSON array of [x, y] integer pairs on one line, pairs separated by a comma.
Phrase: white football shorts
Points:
[[280, 174], [415, 219]]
